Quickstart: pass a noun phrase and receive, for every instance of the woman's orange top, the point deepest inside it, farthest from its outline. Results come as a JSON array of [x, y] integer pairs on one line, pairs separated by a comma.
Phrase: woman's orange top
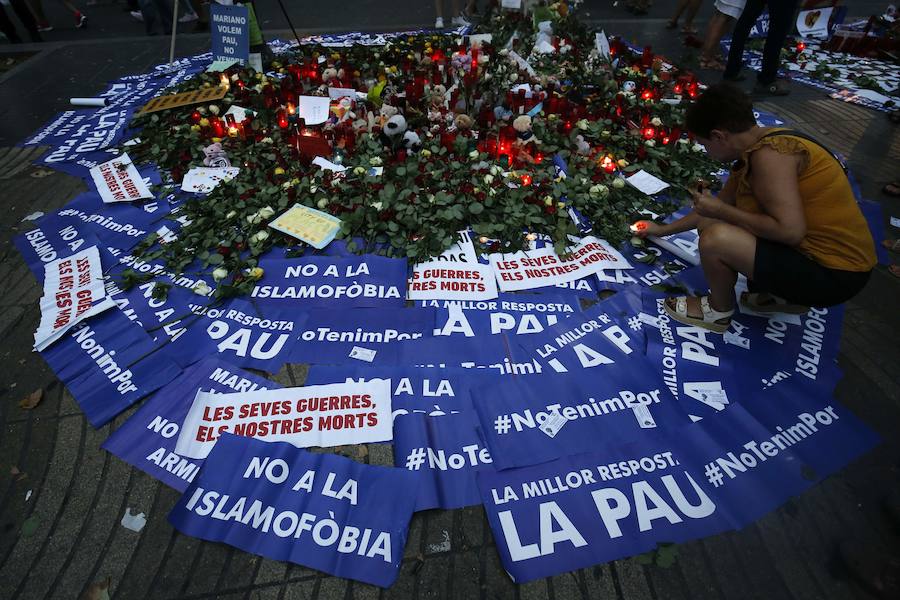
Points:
[[837, 235]]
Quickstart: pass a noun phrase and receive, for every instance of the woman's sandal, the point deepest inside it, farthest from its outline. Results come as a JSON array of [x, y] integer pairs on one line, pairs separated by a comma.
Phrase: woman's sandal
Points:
[[892, 245], [714, 64], [714, 320], [892, 189], [688, 30], [768, 303]]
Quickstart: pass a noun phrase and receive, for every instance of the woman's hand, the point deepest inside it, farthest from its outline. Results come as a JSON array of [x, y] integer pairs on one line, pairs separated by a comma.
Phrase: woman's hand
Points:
[[707, 205], [642, 229]]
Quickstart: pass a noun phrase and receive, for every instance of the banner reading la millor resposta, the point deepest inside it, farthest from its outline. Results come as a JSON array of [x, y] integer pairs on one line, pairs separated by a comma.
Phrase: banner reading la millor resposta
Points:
[[322, 415]]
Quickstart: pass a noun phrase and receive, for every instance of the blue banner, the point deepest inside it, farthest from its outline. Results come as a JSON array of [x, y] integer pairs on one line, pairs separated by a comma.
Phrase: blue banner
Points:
[[240, 334], [164, 319], [230, 29], [663, 487], [329, 336], [447, 452], [513, 314], [490, 353], [416, 390], [108, 364], [321, 511], [147, 439], [538, 419], [653, 266], [330, 282], [52, 239], [591, 339], [119, 225]]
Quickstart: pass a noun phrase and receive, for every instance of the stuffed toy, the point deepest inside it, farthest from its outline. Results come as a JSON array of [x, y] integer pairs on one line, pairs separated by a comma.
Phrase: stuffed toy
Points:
[[215, 156], [525, 136]]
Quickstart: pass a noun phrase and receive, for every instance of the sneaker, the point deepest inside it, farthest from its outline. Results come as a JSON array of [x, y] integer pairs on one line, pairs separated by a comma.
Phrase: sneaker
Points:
[[439, 23], [42, 27], [188, 18], [80, 21], [460, 21], [138, 15]]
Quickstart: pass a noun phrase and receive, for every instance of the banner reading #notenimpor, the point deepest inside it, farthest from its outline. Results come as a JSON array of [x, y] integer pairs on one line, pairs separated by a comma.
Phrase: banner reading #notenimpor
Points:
[[318, 510]]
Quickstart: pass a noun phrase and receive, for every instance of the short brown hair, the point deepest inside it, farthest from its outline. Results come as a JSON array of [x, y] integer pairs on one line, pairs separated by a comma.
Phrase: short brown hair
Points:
[[722, 106]]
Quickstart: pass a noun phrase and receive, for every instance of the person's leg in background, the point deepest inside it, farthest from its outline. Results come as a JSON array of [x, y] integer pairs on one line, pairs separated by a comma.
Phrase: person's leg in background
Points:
[[187, 12], [742, 29], [38, 11], [709, 54], [689, 8], [439, 14], [80, 18], [8, 28], [781, 20]]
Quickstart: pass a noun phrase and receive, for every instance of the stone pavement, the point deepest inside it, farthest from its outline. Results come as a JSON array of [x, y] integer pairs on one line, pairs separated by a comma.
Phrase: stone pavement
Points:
[[60, 507]]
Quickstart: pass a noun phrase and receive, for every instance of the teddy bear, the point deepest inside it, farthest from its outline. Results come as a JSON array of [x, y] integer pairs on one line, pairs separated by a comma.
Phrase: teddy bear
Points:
[[464, 123], [582, 147], [215, 156], [522, 125], [393, 131]]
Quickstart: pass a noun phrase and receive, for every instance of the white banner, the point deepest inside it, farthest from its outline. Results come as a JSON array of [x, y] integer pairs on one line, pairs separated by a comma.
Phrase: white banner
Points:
[[445, 280], [317, 415], [542, 267], [73, 291], [118, 180]]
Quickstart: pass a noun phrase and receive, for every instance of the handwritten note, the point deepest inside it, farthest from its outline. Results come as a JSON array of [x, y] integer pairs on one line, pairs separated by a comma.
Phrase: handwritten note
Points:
[[312, 226]]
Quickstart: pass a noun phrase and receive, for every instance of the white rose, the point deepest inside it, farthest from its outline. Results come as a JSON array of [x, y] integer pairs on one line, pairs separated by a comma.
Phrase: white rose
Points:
[[697, 147], [656, 121], [254, 218], [598, 191], [359, 171], [582, 124], [495, 170], [618, 183], [682, 141], [473, 154], [230, 214], [266, 212], [267, 140], [258, 88], [650, 143], [375, 161], [322, 203], [260, 236], [489, 179], [213, 109], [504, 52], [220, 274], [313, 188], [377, 205], [201, 289]]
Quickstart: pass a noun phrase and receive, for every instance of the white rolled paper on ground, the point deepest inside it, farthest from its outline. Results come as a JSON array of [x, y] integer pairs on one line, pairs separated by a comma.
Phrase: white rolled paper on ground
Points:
[[100, 102]]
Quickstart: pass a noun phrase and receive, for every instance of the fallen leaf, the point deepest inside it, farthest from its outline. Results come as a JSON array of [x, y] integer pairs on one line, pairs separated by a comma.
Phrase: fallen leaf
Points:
[[362, 451], [32, 399], [17, 474], [29, 526], [97, 591]]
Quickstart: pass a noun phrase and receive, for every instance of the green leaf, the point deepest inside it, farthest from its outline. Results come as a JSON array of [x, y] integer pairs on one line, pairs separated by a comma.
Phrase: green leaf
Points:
[[215, 259]]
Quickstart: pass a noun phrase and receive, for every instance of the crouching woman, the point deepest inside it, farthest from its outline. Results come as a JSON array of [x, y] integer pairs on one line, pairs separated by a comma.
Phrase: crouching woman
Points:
[[786, 218]]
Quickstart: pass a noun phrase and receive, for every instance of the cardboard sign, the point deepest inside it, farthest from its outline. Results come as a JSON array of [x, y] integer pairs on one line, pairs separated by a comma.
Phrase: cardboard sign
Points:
[[542, 267], [312, 226], [118, 180], [814, 23], [444, 280], [321, 415], [230, 29], [184, 99], [73, 291]]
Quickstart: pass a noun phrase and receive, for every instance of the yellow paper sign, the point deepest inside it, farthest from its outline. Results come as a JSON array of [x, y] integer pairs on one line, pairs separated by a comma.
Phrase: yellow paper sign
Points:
[[312, 226], [184, 99]]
